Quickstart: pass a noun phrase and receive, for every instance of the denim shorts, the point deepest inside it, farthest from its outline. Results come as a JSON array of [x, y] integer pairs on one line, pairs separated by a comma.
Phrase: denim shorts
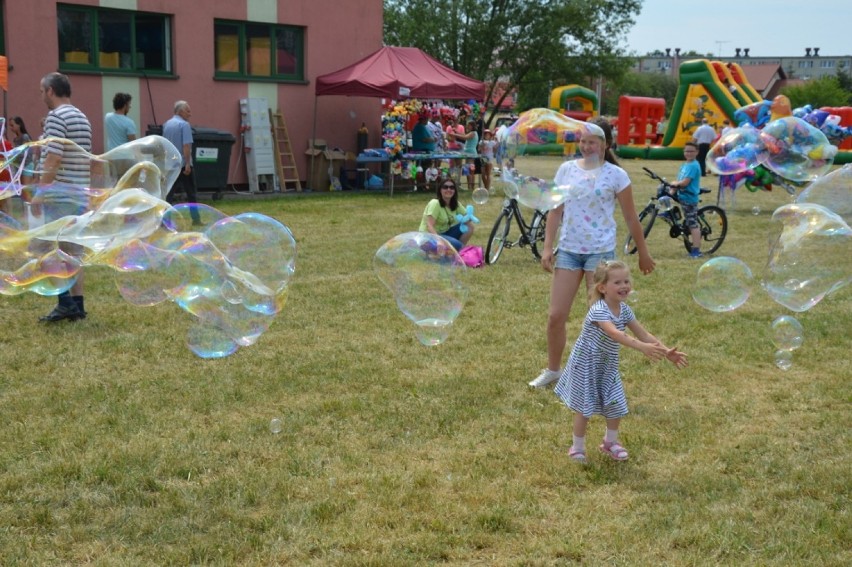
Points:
[[586, 262]]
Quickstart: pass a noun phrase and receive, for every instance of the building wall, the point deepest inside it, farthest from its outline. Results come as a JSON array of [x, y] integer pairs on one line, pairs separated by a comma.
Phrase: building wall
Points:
[[336, 35], [805, 67]]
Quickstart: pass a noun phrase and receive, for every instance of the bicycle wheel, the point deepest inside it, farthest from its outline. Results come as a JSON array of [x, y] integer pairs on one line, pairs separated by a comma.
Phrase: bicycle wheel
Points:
[[537, 228], [646, 219], [714, 226], [497, 240]]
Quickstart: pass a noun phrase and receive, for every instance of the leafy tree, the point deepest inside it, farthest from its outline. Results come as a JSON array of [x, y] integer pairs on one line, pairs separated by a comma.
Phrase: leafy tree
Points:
[[526, 43], [654, 85], [819, 92]]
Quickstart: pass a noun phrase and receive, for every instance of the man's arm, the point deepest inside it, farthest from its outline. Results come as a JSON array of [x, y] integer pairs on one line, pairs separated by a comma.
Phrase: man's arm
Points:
[[187, 158]]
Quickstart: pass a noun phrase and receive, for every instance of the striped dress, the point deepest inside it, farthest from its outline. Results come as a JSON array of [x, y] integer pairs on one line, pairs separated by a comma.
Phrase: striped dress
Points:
[[591, 383]]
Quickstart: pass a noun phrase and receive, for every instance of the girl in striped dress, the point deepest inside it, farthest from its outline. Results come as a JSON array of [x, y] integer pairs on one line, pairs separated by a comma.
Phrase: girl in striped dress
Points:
[[591, 383]]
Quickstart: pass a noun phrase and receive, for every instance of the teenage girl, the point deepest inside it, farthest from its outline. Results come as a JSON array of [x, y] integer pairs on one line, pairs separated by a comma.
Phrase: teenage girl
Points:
[[591, 383], [587, 237]]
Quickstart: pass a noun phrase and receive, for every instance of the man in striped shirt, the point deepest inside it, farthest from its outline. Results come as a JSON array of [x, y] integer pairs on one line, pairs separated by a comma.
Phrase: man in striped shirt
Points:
[[66, 166]]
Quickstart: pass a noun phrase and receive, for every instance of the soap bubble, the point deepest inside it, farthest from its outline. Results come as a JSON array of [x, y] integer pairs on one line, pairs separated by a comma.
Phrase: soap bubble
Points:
[[540, 131], [833, 191], [796, 150], [755, 210], [738, 150], [722, 284], [810, 257], [787, 333], [230, 273], [424, 273], [784, 359], [535, 193], [480, 196], [275, 425]]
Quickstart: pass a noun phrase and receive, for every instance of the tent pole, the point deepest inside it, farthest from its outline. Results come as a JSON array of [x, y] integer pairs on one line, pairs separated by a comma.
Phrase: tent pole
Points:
[[312, 142]]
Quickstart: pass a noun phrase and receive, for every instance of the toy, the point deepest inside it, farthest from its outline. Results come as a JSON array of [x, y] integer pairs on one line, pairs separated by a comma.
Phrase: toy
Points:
[[466, 218]]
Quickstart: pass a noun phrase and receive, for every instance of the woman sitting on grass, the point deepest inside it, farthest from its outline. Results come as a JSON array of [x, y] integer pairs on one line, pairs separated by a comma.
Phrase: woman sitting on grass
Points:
[[439, 217]]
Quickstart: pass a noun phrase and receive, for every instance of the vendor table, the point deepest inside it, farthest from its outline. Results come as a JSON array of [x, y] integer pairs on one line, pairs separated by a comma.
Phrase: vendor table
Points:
[[382, 157]]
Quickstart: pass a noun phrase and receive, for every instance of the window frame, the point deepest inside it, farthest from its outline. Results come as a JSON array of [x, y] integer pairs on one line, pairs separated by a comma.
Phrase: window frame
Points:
[[96, 65], [243, 58]]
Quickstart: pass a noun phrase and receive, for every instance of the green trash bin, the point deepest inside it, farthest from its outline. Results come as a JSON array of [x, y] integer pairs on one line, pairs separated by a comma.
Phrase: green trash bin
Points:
[[211, 158]]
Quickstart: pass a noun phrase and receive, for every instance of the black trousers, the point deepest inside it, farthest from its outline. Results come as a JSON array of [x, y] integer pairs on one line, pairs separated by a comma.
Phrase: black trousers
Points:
[[703, 150], [183, 184]]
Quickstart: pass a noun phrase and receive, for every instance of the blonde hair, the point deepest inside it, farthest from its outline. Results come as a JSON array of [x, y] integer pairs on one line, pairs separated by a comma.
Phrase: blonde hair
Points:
[[601, 276]]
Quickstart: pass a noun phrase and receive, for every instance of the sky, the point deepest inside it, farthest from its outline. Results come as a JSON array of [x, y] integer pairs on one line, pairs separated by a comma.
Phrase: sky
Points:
[[770, 28]]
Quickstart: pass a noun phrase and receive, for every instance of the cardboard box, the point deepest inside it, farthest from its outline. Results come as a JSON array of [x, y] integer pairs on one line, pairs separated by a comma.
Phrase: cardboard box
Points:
[[324, 160]]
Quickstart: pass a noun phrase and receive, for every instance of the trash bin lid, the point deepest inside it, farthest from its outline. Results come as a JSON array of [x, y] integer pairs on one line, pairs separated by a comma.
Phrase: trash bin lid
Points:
[[200, 134]]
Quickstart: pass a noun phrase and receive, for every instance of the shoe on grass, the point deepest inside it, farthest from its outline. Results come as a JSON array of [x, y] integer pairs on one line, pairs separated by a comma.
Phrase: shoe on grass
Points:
[[546, 377], [63, 312]]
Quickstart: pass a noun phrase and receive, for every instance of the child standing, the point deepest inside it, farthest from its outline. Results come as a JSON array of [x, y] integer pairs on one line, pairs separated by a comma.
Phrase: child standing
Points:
[[591, 383], [587, 233], [486, 151]]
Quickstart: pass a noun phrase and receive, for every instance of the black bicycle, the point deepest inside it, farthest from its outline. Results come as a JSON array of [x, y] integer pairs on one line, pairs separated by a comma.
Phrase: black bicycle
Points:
[[712, 220], [532, 234]]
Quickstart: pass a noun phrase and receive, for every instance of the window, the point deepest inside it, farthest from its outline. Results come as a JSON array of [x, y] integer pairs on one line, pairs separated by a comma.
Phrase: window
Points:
[[827, 63], [259, 51], [105, 40]]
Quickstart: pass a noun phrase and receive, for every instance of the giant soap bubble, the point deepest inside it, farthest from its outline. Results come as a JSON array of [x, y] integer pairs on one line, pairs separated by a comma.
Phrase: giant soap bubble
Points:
[[539, 131], [833, 191], [230, 273], [788, 146], [796, 150], [810, 257], [424, 273], [722, 284]]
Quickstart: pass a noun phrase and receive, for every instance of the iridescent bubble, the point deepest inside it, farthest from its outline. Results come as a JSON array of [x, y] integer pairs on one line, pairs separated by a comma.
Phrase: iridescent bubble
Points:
[[424, 273], [480, 196], [540, 131], [275, 425], [796, 150], [755, 210], [787, 333], [810, 257], [633, 297], [722, 284], [833, 191], [230, 273], [533, 192], [784, 359], [737, 151]]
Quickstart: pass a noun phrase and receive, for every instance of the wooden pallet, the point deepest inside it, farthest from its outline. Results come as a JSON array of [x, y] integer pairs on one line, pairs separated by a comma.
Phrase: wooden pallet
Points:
[[285, 162]]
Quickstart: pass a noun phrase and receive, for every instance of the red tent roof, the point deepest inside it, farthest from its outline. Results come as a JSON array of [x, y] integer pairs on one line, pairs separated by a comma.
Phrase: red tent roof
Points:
[[391, 70]]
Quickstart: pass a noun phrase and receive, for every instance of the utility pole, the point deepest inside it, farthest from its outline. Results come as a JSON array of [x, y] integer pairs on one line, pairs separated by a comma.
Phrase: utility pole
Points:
[[719, 46]]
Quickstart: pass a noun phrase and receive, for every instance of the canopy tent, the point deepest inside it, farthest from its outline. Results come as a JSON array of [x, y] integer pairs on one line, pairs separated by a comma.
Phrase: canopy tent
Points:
[[395, 73], [400, 72]]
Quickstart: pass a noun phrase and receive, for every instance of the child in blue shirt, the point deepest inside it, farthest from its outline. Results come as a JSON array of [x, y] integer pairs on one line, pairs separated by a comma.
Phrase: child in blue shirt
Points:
[[688, 189]]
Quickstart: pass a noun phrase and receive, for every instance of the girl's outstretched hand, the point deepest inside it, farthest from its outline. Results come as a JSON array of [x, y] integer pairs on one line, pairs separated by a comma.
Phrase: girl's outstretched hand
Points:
[[677, 358], [654, 351]]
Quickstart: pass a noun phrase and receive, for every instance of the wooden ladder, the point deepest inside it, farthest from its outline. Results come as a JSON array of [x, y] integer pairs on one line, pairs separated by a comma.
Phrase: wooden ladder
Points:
[[285, 162]]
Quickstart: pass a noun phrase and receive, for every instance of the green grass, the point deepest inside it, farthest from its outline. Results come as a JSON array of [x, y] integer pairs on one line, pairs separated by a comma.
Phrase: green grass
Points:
[[120, 447]]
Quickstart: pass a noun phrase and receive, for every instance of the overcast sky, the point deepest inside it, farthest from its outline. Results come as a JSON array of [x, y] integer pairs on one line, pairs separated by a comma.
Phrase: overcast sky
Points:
[[768, 27]]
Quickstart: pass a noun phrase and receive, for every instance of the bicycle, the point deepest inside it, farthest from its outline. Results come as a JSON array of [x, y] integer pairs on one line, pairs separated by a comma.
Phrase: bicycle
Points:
[[532, 234], [712, 220]]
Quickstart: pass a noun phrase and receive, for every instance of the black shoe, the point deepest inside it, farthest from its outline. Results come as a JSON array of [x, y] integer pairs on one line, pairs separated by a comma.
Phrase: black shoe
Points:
[[62, 312]]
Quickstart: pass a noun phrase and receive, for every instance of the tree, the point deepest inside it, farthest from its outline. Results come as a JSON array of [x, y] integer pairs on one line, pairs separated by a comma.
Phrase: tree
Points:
[[521, 42], [654, 85], [820, 92]]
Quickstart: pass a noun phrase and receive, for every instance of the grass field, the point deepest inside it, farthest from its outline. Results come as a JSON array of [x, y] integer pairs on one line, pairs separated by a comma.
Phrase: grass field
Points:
[[120, 447]]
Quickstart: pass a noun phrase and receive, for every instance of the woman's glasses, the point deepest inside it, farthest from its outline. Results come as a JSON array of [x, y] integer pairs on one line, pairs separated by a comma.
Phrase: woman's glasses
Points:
[[448, 186]]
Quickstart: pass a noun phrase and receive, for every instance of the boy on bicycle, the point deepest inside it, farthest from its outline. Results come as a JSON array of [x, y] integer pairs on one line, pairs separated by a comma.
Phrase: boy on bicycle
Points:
[[688, 188]]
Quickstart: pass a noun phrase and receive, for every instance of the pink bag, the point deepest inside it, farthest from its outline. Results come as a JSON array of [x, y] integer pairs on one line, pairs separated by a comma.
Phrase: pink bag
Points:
[[472, 256]]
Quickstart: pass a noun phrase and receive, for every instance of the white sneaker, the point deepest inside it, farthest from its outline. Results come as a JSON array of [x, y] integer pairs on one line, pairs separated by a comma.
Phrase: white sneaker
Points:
[[546, 377]]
